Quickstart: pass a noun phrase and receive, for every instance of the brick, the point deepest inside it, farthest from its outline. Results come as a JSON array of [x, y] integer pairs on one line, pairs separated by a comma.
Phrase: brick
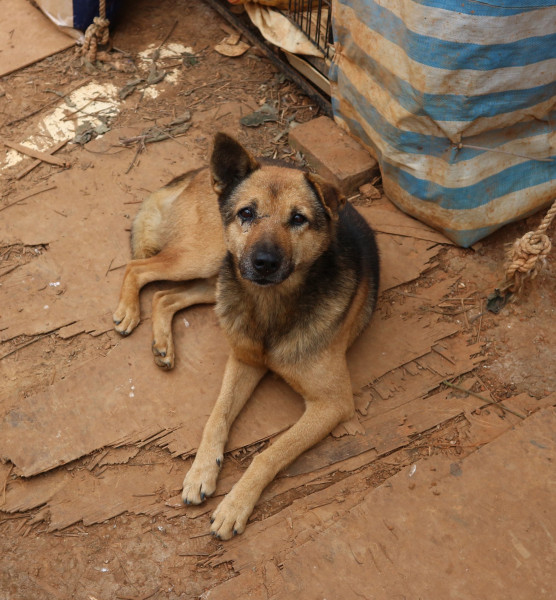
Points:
[[333, 154]]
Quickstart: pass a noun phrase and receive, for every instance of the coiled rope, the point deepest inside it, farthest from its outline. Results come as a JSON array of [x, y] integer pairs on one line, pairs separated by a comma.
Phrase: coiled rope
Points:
[[527, 256], [97, 33]]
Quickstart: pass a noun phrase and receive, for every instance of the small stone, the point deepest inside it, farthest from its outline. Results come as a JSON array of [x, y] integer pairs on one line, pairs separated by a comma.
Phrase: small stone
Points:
[[369, 191], [193, 589]]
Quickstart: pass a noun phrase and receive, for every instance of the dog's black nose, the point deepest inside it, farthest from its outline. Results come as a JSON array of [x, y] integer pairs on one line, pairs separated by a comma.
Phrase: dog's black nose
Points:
[[265, 263]]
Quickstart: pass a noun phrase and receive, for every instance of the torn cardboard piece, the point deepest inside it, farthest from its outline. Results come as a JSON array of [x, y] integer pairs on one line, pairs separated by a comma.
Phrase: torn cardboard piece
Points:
[[27, 36], [403, 259], [386, 218], [79, 275], [418, 377], [445, 518], [134, 401], [231, 46], [380, 349], [144, 409], [384, 433]]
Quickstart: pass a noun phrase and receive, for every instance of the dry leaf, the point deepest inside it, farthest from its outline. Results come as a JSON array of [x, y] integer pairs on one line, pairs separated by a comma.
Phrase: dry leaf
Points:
[[232, 50]]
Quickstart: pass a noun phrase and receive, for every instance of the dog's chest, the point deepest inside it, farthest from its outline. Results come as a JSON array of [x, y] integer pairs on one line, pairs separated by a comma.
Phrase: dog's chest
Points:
[[260, 336], [257, 331]]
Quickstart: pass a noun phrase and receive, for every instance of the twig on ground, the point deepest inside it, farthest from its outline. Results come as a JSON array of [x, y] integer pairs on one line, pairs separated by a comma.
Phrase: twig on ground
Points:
[[108, 270], [484, 399], [35, 339], [191, 537], [116, 268], [150, 595], [140, 149], [167, 36], [480, 323], [9, 271], [6, 485], [125, 572], [38, 110], [199, 87], [29, 195]]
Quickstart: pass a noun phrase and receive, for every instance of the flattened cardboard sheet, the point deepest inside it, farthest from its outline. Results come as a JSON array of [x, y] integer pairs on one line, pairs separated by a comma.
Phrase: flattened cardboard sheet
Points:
[[27, 36]]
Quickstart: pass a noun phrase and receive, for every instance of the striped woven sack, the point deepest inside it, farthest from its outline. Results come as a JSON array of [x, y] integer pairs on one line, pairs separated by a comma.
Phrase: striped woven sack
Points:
[[456, 99]]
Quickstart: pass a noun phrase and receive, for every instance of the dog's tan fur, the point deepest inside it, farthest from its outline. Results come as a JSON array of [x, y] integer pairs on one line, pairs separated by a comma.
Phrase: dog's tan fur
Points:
[[273, 316]]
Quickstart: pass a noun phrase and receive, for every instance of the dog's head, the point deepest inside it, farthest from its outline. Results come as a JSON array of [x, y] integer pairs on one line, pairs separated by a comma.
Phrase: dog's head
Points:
[[277, 220]]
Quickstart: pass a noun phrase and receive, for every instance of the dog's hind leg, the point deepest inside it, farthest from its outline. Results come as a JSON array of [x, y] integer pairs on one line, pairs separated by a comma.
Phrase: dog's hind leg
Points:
[[166, 304], [240, 379], [170, 264]]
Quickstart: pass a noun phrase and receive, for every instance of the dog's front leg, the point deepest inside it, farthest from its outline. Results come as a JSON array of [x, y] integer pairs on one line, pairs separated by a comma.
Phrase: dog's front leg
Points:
[[240, 379], [329, 401]]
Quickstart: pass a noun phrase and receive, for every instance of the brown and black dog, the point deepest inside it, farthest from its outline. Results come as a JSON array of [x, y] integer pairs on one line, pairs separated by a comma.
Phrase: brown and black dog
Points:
[[294, 272]]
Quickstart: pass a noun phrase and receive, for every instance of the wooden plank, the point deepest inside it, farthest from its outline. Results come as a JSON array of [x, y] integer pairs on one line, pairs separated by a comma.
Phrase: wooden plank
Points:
[[37, 162], [44, 156]]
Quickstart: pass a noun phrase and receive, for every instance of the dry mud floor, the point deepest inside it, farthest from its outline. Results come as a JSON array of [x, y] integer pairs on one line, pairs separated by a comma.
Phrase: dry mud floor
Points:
[[95, 440]]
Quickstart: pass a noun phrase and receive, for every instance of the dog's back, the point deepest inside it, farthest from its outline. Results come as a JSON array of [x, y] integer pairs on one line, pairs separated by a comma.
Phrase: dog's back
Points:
[[183, 215], [359, 251]]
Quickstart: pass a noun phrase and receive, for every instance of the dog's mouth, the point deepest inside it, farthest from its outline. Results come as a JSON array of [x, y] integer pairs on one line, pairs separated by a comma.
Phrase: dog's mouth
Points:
[[265, 281]]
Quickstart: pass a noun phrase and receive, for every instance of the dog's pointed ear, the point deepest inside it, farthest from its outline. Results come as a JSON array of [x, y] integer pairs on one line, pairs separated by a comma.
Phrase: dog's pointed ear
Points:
[[230, 162], [330, 196]]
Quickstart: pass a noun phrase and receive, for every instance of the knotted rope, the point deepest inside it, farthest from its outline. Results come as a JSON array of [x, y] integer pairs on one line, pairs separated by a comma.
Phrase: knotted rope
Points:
[[527, 256], [97, 33]]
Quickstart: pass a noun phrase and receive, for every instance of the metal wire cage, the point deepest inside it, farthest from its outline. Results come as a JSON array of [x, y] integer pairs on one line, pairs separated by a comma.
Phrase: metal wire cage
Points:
[[314, 18]]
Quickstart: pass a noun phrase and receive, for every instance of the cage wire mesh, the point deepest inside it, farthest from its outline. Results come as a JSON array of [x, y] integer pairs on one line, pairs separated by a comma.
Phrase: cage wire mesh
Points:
[[313, 17]]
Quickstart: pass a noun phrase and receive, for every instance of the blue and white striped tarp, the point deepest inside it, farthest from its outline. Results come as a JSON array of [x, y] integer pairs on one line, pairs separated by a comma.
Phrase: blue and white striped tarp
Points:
[[457, 101]]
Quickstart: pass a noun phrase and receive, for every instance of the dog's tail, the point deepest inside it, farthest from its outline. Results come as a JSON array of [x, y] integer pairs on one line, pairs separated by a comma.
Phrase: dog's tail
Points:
[[148, 229]]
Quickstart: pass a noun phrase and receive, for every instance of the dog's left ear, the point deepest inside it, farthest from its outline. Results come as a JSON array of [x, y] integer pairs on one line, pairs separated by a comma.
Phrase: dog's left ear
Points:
[[331, 197], [230, 162]]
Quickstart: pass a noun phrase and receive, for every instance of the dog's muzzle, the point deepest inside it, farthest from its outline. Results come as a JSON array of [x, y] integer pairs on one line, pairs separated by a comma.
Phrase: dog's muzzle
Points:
[[265, 266]]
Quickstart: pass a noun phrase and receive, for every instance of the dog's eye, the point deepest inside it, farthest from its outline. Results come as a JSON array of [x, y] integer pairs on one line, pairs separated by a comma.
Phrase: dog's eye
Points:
[[246, 214], [298, 219]]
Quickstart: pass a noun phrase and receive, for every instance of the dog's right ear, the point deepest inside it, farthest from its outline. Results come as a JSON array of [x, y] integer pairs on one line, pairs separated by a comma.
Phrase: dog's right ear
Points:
[[229, 163], [332, 199]]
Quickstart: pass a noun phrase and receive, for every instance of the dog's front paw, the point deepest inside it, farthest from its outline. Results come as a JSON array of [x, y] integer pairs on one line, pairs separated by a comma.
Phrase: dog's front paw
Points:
[[126, 318], [164, 353], [230, 517], [200, 481]]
